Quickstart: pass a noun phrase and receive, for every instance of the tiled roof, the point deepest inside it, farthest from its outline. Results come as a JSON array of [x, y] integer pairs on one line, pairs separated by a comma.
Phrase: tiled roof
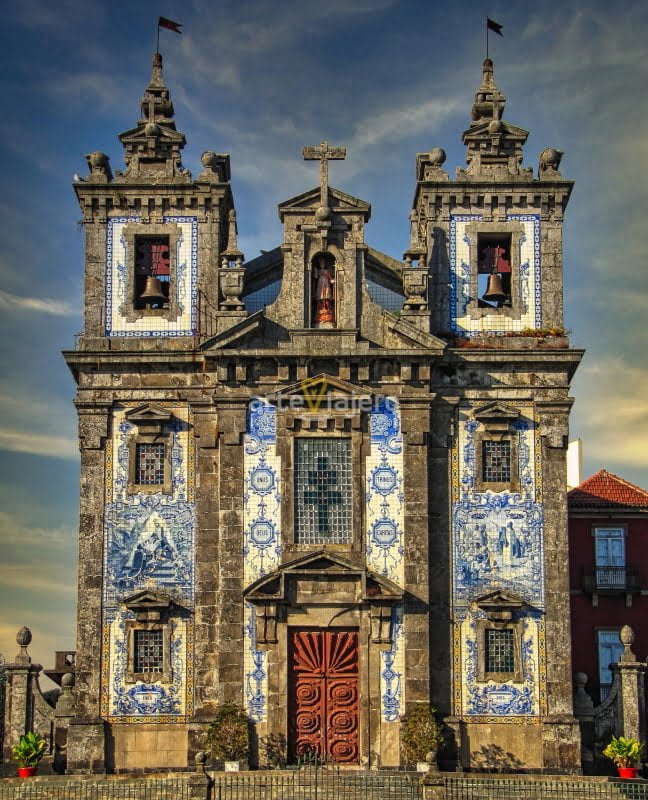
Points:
[[603, 489]]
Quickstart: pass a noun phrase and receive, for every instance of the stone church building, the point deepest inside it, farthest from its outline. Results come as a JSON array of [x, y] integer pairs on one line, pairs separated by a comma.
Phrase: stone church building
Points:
[[327, 483]]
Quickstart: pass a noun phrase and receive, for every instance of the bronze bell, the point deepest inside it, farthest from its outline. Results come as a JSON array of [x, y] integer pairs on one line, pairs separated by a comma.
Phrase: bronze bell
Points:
[[153, 291], [495, 290]]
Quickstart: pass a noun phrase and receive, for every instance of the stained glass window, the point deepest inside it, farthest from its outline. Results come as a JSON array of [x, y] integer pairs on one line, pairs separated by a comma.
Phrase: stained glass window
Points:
[[500, 655], [496, 462], [149, 466], [149, 651], [323, 491]]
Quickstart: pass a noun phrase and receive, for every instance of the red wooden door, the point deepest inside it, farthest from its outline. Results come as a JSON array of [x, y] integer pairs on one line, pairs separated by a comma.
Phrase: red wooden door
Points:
[[323, 687]]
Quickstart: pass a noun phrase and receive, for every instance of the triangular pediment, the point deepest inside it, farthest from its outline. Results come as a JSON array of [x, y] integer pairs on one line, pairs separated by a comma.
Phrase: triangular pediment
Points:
[[148, 413], [506, 130], [321, 564], [499, 599], [339, 201], [320, 386], [139, 133], [496, 410], [147, 599]]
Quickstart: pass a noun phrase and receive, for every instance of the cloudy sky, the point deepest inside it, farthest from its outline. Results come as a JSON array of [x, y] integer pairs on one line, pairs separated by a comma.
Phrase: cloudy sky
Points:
[[260, 79]]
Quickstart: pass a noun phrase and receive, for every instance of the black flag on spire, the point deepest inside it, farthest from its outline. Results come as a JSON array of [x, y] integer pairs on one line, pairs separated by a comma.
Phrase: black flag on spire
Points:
[[494, 26], [163, 22]]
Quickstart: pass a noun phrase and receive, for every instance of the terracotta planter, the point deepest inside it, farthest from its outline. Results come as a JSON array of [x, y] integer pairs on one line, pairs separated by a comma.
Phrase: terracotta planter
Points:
[[26, 772], [627, 772]]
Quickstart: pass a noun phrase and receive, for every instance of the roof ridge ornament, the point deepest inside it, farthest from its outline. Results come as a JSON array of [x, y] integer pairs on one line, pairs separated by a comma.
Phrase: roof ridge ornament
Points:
[[324, 153]]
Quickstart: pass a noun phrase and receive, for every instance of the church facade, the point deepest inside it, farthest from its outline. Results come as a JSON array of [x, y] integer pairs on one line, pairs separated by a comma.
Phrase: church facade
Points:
[[325, 484]]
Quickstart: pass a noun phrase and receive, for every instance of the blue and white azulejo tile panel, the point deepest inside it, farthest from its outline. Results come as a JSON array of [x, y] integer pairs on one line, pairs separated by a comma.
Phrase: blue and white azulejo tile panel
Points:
[[261, 493], [255, 665], [262, 536], [502, 699], [461, 280], [497, 543], [384, 499], [392, 671], [148, 544], [186, 281]]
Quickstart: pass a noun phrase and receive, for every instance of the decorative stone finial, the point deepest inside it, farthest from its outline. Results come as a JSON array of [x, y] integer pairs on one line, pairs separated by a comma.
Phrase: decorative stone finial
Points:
[[494, 147], [99, 165], [627, 637], [68, 680], [232, 252], [23, 638], [216, 167], [549, 164], [154, 145], [583, 704], [437, 156]]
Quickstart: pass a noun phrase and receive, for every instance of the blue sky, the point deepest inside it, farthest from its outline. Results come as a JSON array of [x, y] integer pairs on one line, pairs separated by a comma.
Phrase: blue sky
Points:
[[385, 78]]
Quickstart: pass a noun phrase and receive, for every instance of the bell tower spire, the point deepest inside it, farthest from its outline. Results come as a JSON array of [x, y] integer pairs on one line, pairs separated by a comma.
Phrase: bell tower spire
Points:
[[153, 147], [494, 147]]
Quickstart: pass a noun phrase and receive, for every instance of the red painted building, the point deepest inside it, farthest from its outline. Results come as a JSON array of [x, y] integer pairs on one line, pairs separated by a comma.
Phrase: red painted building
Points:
[[608, 567]]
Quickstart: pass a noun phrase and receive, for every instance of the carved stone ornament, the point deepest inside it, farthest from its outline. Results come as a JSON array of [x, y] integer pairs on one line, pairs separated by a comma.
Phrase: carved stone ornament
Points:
[[231, 287], [548, 167], [415, 284], [99, 165]]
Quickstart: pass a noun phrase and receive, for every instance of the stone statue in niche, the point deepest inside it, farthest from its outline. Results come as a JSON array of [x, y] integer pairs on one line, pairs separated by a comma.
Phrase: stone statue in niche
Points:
[[324, 292]]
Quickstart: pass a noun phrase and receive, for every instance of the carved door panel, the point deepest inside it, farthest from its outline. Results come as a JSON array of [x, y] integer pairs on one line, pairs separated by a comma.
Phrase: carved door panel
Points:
[[323, 676]]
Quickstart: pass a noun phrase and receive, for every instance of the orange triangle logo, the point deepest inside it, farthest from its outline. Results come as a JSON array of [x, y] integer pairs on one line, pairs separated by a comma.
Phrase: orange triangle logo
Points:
[[314, 390]]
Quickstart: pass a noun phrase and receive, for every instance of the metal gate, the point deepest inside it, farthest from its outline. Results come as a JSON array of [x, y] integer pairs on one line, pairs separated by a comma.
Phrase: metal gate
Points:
[[324, 708]]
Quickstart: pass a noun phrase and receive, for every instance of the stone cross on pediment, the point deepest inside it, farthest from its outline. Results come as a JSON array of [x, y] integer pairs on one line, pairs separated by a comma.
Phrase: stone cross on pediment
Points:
[[324, 153]]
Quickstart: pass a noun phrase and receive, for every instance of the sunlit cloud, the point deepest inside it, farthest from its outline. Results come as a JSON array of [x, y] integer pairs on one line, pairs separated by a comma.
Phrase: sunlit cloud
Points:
[[38, 444], [59, 308]]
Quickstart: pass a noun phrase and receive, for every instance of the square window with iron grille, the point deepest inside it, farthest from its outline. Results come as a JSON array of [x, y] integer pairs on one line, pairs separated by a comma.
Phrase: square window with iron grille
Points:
[[496, 461], [149, 466], [149, 651], [323, 491], [500, 650]]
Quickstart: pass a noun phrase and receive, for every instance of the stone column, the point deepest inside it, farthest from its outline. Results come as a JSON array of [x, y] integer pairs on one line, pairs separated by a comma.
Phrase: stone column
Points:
[[632, 700], [433, 787], [25, 708]]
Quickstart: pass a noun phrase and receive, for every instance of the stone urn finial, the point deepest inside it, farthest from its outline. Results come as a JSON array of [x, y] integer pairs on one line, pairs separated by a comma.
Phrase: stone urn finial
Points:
[[627, 637], [23, 638]]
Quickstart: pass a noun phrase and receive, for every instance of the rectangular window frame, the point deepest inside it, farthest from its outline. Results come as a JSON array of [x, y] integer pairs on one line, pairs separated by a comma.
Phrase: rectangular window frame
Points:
[[134, 487], [482, 485], [162, 676], [310, 544], [609, 575], [483, 674], [130, 233], [603, 670], [506, 228]]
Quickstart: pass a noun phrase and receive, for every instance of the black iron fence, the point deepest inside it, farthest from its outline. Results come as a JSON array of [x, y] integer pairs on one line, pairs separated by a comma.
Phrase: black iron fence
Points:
[[323, 784], [467, 787]]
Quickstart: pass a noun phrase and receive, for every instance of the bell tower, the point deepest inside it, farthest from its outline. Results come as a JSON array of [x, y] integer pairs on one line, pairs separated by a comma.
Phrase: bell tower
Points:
[[495, 232], [494, 235], [154, 235], [162, 272]]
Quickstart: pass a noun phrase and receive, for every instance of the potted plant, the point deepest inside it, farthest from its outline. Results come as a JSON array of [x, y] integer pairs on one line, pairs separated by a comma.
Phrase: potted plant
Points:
[[228, 738], [625, 753], [28, 752], [421, 736]]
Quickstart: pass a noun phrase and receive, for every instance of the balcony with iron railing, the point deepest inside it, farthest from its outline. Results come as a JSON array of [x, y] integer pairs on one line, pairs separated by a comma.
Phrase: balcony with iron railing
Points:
[[611, 580]]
